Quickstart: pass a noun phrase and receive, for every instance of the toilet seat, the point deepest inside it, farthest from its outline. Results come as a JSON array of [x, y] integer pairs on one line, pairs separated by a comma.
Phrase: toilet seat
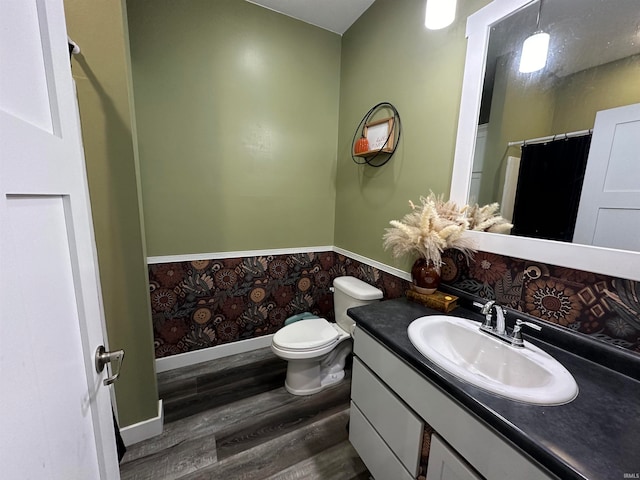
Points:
[[307, 335]]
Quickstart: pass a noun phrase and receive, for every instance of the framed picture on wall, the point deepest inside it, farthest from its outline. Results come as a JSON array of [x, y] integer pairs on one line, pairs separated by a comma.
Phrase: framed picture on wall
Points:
[[380, 135]]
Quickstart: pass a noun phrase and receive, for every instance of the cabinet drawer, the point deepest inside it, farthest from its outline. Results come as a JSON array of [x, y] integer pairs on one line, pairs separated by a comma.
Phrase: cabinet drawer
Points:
[[399, 427], [375, 454]]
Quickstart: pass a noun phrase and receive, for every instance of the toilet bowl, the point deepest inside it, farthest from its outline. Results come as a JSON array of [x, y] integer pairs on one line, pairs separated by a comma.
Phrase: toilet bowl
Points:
[[316, 349]]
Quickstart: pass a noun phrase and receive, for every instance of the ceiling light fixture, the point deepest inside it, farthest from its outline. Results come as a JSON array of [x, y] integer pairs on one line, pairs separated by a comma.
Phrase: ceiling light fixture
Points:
[[439, 14], [535, 49]]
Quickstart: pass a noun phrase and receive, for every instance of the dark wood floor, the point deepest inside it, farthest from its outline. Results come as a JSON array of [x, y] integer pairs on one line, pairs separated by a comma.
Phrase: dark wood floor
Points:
[[232, 419]]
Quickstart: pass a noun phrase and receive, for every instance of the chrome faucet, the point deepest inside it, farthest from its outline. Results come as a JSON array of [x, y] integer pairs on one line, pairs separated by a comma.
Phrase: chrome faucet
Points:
[[487, 310], [500, 330]]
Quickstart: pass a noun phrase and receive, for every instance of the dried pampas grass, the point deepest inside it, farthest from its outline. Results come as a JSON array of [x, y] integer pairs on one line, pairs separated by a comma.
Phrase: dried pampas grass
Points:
[[486, 219], [428, 230], [436, 225]]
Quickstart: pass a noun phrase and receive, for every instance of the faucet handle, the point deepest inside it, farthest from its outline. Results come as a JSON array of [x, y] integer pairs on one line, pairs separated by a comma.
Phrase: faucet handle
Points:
[[516, 337], [535, 326], [485, 309]]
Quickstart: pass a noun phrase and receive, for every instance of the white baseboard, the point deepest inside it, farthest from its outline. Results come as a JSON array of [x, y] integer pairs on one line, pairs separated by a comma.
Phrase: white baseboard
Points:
[[206, 354], [144, 430], [153, 426]]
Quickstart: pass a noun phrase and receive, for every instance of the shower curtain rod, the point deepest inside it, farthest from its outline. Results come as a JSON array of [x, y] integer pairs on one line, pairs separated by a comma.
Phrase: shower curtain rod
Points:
[[550, 138]]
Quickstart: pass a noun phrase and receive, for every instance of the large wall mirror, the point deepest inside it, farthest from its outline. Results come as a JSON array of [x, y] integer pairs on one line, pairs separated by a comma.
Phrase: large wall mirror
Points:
[[592, 65]]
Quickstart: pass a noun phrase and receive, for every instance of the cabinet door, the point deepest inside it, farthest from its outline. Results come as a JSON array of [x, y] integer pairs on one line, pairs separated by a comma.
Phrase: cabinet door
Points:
[[446, 464]]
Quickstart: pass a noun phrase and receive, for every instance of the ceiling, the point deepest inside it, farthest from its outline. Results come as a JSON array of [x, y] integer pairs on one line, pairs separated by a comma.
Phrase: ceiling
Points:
[[333, 15], [584, 33], [607, 30]]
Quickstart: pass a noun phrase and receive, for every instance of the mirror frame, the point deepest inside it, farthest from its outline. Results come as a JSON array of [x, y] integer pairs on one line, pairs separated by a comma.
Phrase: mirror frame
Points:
[[617, 263]]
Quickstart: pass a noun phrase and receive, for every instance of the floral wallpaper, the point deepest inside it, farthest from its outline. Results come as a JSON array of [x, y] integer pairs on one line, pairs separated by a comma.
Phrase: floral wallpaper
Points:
[[204, 303], [424, 452], [603, 307]]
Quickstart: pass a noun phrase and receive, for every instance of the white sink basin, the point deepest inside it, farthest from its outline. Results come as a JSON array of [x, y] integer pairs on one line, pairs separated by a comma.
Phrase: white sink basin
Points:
[[525, 374]]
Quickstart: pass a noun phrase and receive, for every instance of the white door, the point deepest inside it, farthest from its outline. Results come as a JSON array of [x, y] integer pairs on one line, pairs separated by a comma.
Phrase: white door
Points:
[[609, 212], [55, 415]]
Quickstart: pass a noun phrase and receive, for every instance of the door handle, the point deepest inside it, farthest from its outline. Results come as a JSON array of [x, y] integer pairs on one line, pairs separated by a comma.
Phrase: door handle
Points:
[[103, 357]]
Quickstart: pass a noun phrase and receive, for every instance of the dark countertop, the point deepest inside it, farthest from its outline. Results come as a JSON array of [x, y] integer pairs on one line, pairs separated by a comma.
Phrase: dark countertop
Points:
[[596, 436]]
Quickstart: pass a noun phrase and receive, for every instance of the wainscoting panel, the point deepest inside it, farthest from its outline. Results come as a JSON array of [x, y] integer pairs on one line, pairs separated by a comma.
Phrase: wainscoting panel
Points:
[[603, 307], [204, 303]]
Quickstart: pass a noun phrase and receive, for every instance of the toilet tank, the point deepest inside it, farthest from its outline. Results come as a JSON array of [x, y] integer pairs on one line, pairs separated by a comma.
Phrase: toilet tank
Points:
[[351, 292]]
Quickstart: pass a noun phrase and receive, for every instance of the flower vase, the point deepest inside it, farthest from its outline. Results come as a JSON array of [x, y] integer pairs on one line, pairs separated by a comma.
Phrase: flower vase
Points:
[[426, 276]]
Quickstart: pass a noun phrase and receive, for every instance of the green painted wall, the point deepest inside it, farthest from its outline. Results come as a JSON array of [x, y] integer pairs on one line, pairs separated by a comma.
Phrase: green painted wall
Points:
[[102, 76], [388, 55], [581, 95], [237, 111]]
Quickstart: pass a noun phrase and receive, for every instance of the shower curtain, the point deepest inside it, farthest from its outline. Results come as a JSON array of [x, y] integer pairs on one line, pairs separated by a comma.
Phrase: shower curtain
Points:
[[549, 187]]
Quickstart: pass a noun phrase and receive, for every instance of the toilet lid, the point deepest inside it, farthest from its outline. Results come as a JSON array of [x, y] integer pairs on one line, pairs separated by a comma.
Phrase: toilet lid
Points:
[[306, 335]]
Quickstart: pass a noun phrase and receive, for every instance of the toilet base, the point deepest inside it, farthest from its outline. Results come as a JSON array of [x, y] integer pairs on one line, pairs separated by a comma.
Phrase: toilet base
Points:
[[310, 390], [306, 377]]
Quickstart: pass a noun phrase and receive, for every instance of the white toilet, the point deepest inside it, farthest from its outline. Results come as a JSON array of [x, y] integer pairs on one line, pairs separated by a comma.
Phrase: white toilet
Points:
[[315, 348]]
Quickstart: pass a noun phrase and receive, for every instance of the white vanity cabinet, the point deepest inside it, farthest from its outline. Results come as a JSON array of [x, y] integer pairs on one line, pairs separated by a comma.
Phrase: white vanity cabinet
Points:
[[391, 402]]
